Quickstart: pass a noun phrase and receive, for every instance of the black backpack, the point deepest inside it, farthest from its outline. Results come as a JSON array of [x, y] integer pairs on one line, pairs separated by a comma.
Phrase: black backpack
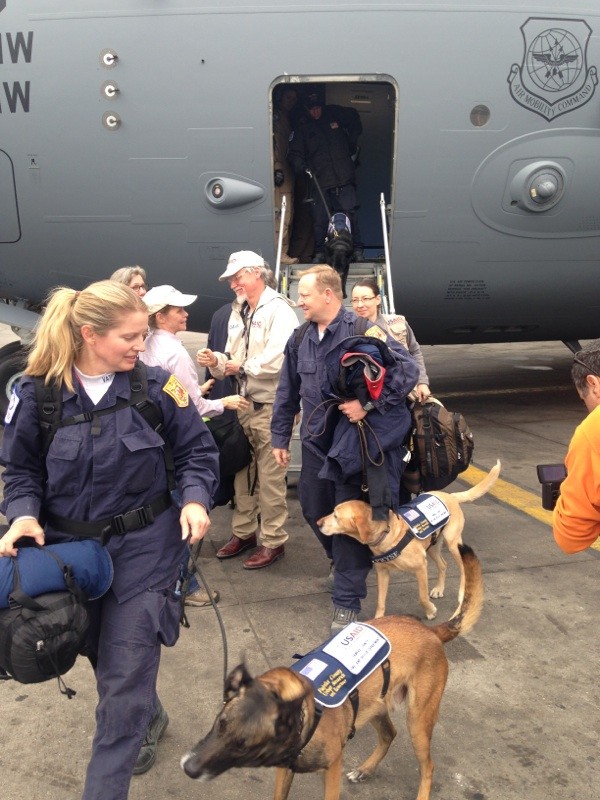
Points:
[[441, 445], [41, 638]]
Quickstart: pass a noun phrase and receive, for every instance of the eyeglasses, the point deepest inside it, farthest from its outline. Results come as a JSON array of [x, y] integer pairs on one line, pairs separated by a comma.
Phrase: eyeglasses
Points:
[[138, 286], [361, 300], [583, 364]]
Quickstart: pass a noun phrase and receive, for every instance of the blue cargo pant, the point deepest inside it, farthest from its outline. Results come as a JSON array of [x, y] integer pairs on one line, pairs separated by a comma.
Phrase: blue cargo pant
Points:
[[127, 639], [351, 559]]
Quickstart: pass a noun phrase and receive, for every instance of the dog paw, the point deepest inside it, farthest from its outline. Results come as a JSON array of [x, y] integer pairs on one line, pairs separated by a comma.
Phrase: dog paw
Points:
[[356, 776], [436, 592], [432, 614]]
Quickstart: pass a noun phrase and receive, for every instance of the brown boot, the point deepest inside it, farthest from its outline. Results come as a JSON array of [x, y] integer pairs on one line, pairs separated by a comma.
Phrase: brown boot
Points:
[[235, 546], [285, 259], [264, 557]]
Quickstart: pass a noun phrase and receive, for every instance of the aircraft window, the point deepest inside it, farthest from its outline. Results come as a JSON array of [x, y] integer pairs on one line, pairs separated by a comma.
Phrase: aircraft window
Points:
[[480, 116]]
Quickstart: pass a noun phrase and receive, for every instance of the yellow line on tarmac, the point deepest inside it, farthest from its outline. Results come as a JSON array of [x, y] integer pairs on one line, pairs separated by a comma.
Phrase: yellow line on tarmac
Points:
[[527, 502]]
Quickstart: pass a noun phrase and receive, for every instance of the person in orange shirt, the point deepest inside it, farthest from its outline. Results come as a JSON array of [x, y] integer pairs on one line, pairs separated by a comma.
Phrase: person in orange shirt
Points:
[[576, 519]]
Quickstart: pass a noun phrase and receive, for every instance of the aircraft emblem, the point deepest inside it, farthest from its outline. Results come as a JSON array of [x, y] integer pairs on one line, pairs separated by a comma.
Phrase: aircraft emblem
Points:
[[553, 77]]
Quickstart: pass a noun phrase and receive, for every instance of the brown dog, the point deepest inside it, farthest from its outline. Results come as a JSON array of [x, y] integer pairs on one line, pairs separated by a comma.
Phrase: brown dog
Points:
[[269, 721], [353, 518]]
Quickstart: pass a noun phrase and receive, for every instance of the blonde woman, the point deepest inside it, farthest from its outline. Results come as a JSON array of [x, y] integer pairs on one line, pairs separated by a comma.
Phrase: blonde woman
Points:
[[105, 471]]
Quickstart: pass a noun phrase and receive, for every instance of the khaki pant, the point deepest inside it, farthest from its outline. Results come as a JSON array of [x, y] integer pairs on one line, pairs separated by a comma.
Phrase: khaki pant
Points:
[[287, 189], [269, 498]]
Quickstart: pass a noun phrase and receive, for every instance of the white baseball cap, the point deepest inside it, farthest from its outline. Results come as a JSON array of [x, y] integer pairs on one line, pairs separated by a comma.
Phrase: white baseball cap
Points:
[[160, 296], [241, 260]]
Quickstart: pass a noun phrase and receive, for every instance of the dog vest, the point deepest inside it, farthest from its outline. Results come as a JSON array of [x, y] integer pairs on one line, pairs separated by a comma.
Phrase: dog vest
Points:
[[337, 667], [425, 515], [338, 222]]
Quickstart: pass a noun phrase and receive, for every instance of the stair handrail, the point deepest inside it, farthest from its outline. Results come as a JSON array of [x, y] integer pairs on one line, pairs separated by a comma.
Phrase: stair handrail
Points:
[[280, 240], [386, 249]]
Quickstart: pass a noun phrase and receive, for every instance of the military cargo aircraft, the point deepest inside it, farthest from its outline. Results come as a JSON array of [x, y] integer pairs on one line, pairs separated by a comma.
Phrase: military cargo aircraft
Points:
[[140, 132]]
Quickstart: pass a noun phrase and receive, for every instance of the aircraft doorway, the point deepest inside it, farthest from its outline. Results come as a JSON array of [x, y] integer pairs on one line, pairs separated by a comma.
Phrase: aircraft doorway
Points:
[[375, 102]]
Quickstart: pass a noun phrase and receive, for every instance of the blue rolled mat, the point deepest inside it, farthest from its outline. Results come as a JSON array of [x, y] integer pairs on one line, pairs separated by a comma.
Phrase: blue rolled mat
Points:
[[90, 564]]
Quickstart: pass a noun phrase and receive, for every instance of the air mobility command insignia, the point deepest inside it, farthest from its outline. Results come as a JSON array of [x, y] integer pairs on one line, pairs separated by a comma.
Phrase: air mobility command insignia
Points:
[[376, 332], [175, 389], [553, 77]]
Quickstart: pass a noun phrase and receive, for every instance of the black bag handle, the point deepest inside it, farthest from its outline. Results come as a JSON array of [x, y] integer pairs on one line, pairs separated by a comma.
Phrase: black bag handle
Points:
[[19, 597]]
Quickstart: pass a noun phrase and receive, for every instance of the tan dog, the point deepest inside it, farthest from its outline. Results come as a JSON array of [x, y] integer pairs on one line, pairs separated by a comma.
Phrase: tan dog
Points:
[[269, 721], [353, 518]]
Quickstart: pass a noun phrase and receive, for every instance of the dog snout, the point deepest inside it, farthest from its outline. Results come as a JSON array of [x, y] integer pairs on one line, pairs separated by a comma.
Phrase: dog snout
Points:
[[325, 525], [190, 765]]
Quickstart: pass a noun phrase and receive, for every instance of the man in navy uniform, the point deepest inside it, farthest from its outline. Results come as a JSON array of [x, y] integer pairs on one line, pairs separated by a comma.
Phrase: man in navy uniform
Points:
[[326, 143]]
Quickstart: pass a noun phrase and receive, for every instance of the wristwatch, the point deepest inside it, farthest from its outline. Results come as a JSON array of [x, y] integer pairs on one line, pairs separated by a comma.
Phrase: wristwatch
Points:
[[368, 406]]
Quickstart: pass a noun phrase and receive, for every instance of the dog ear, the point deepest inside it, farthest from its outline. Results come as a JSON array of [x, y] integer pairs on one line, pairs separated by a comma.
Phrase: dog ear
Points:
[[288, 716], [363, 522], [238, 678]]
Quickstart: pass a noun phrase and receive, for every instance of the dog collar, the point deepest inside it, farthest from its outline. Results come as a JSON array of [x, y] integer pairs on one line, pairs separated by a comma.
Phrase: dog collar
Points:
[[390, 555], [379, 539]]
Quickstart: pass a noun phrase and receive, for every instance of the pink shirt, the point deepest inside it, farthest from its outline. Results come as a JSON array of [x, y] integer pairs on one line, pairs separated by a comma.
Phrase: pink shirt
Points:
[[166, 350]]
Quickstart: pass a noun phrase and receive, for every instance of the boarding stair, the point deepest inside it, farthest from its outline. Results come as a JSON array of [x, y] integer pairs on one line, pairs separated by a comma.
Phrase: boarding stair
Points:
[[288, 277]]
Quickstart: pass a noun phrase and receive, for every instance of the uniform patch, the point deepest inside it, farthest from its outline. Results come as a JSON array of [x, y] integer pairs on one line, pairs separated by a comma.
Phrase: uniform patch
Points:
[[175, 389], [12, 407], [424, 515], [376, 332]]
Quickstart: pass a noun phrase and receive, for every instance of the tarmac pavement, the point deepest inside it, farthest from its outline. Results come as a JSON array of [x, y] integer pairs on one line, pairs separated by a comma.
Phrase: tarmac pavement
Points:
[[520, 715]]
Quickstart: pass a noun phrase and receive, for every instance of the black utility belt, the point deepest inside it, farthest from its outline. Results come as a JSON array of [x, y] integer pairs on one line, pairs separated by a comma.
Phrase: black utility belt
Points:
[[119, 525]]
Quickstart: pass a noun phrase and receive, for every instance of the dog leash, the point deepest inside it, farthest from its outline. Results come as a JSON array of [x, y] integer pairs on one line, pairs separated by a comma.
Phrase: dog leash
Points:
[[195, 570], [313, 177]]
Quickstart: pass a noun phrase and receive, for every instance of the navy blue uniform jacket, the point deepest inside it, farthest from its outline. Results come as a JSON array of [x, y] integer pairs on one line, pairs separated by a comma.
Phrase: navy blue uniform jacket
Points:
[[93, 477], [324, 429]]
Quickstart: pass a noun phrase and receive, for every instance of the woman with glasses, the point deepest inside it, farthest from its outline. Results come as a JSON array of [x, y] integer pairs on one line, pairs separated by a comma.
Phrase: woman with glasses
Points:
[[134, 277], [366, 302]]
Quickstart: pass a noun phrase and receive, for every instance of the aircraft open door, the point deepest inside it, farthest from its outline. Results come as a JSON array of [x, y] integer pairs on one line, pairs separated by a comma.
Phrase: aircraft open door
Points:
[[376, 101]]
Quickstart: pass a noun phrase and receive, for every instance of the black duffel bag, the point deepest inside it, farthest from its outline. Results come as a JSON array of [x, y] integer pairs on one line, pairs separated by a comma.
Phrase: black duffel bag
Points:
[[41, 638]]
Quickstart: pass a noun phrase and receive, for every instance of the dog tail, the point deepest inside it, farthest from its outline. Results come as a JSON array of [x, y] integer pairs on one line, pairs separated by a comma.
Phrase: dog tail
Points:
[[470, 609], [481, 488]]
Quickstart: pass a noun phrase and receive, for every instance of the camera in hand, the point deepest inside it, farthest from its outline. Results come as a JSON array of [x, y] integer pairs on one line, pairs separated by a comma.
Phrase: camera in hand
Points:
[[550, 476]]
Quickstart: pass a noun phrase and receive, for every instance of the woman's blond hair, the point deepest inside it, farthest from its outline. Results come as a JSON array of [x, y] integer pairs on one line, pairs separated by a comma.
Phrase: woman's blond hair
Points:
[[58, 340]]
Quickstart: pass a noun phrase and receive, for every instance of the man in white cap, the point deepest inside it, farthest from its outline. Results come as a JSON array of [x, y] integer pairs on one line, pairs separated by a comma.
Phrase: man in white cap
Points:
[[260, 324]]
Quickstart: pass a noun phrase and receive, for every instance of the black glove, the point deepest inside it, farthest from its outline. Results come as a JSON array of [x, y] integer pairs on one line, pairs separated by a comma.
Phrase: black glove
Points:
[[278, 177]]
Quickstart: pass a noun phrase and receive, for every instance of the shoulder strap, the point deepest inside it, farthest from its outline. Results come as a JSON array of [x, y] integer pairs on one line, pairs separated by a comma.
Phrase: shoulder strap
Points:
[[299, 335], [138, 378], [361, 325], [49, 405]]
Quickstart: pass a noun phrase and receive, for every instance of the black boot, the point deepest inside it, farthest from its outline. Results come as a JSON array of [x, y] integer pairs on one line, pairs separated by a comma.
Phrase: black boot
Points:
[[156, 728]]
